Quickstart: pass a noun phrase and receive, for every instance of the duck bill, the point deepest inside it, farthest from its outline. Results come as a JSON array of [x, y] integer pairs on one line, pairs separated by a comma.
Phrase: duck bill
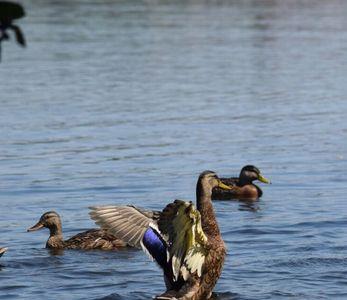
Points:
[[37, 226], [263, 179], [224, 186]]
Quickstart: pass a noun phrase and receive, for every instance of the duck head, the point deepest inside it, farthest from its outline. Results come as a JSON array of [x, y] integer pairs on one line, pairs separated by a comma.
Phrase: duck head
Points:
[[206, 182], [250, 173], [50, 220], [209, 180]]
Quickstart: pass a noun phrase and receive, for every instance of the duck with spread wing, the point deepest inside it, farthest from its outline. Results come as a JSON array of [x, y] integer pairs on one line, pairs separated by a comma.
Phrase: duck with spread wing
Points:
[[185, 241]]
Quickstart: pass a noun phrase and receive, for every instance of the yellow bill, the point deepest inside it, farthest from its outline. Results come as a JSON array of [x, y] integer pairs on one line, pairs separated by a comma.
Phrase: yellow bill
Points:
[[263, 179], [224, 186]]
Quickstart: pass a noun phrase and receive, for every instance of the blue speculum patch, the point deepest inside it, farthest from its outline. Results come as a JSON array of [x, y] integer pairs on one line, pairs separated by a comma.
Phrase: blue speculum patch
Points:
[[155, 246]]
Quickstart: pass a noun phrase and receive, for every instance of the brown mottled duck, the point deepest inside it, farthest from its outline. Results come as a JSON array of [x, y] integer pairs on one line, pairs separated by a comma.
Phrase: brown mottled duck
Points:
[[185, 242], [91, 239], [242, 187], [2, 251]]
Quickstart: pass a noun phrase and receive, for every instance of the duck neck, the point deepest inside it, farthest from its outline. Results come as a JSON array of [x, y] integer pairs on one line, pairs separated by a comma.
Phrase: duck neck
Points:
[[55, 240], [204, 205]]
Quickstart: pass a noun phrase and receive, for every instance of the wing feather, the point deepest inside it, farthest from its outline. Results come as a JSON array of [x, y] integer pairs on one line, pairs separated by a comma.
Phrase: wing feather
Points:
[[127, 223], [180, 225]]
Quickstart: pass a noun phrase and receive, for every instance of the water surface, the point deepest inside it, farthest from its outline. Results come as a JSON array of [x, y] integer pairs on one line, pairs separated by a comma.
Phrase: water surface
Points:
[[128, 101]]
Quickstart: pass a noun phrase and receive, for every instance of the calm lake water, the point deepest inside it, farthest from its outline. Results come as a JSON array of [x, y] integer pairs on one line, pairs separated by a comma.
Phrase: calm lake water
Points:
[[128, 101]]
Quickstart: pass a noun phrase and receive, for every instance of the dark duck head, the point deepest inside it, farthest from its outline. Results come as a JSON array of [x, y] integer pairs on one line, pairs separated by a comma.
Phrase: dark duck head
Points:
[[250, 173]]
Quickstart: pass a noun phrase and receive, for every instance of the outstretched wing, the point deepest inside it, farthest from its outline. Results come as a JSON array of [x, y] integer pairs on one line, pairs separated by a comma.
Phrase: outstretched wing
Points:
[[127, 223], [180, 226]]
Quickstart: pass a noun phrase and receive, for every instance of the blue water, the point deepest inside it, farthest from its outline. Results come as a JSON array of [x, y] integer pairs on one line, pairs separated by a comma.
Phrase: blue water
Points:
[[128, 101]]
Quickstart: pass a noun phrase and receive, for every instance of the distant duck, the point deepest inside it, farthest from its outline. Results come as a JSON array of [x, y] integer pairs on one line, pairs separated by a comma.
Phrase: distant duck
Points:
[[2, 251], [242, 187], [10, 11], [185, 241], [91, 239]]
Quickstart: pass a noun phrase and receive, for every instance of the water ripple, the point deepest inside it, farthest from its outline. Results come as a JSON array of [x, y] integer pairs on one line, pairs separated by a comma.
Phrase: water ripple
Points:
[[128, 101]]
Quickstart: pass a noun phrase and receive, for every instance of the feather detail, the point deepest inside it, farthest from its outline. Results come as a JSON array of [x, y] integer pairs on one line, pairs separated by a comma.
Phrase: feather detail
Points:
[[154, 245], [127, 223], [180, 225]]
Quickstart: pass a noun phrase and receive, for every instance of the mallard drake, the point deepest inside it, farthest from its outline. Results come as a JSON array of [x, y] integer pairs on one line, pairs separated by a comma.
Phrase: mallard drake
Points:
[[184, 241], [2, 251], [242, 187], [91, 239], [10, 11]]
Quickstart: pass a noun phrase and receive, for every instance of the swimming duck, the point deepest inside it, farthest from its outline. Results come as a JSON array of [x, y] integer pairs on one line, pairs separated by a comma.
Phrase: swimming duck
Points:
[[91, 239], [242, 186], [2, 251], [10, 11], [185, 241]]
